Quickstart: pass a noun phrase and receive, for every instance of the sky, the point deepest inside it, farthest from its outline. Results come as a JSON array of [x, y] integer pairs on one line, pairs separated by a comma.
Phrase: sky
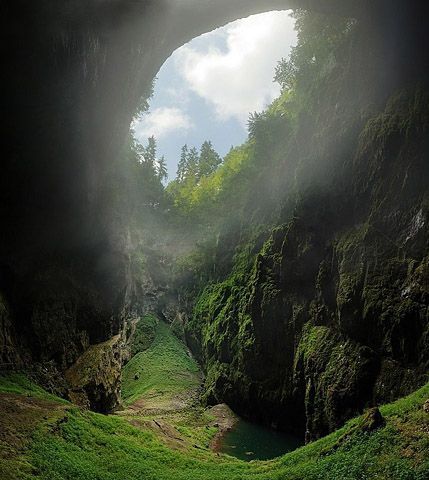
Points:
[[208, 87]]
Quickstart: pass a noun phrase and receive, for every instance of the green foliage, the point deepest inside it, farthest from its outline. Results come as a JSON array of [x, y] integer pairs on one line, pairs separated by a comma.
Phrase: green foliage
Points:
[[182, 164], [192, 166], [143, 105], [161, 169], [319, 39], [204, 199], [134, 185], [148, 153], [209, 160]]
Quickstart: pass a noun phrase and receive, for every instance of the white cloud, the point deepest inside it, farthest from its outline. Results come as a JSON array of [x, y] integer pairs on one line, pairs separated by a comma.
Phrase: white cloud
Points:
[[178, 96], [160, 122], [238, 79]]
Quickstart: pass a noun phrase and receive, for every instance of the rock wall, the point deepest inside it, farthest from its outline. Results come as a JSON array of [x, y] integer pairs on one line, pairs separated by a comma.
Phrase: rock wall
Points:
[[328, 312], [333, 313]]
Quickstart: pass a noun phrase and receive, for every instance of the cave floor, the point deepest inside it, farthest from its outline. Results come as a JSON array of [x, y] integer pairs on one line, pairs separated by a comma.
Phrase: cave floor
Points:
[[169, 436]]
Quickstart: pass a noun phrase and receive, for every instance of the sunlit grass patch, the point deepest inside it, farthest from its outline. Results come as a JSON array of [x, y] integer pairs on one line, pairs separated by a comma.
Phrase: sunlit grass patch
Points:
[[163, 370]]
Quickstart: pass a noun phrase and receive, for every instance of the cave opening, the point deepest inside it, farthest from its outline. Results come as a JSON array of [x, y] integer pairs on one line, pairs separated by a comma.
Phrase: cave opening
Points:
[[246, 246], [207, 88]]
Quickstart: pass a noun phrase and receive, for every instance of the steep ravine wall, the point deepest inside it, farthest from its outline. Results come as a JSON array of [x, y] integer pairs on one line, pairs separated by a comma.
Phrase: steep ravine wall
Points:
[[331, 314]]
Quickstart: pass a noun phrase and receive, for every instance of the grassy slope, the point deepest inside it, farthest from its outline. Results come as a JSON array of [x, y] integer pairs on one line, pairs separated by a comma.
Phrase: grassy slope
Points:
[[161, 391], [162, 371], [19, 384], [23, 408], [63, 442]]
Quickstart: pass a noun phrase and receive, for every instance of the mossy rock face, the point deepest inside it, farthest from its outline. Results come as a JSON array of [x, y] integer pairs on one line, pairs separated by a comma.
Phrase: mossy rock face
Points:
[[330, 315], [339, 375], [371, 420], [95, 379], [10, 353]]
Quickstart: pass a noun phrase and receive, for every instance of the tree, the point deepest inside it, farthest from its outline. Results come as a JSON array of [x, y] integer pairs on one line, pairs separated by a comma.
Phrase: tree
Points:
[[319, 37], [286, 72], [209, 159], [162, 169], [149, 154], [182, 166], [193, 164], [256, 124]]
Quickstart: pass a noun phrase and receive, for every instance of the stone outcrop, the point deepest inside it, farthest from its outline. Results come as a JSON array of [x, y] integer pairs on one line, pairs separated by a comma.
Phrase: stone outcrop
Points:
[[94, 380]]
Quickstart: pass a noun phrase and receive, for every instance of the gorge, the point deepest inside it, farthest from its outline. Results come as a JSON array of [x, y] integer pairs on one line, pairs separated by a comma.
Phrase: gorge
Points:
[[296, 271]]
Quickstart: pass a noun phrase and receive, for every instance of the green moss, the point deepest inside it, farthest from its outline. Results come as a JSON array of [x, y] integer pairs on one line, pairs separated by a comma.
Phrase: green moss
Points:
[[405, 113], [311, 340], [349, 249], [336, 372], [88, 365]]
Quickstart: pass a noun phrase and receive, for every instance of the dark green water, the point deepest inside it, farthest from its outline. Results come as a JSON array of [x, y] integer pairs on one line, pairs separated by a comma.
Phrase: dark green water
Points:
[[249, 441]]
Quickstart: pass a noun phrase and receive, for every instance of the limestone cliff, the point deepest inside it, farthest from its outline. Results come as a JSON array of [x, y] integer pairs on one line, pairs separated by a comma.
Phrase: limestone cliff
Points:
[[331, 313], [326, 312]]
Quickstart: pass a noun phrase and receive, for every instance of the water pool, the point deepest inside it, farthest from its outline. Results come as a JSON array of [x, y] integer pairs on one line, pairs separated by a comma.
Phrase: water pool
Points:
[[250, 441]]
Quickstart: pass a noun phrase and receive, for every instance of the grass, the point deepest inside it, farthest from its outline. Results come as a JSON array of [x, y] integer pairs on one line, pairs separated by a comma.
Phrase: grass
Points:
[[144, 334], [63, 442], [23, 408], [19, 384], [161, 391], [166, 370], [89, 446]]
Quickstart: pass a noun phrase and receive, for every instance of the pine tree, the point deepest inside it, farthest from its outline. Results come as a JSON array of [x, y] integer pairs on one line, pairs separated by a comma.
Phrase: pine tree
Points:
[[193, 164], [149, 154], [209, 159], [162, 169], [182, 166]]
